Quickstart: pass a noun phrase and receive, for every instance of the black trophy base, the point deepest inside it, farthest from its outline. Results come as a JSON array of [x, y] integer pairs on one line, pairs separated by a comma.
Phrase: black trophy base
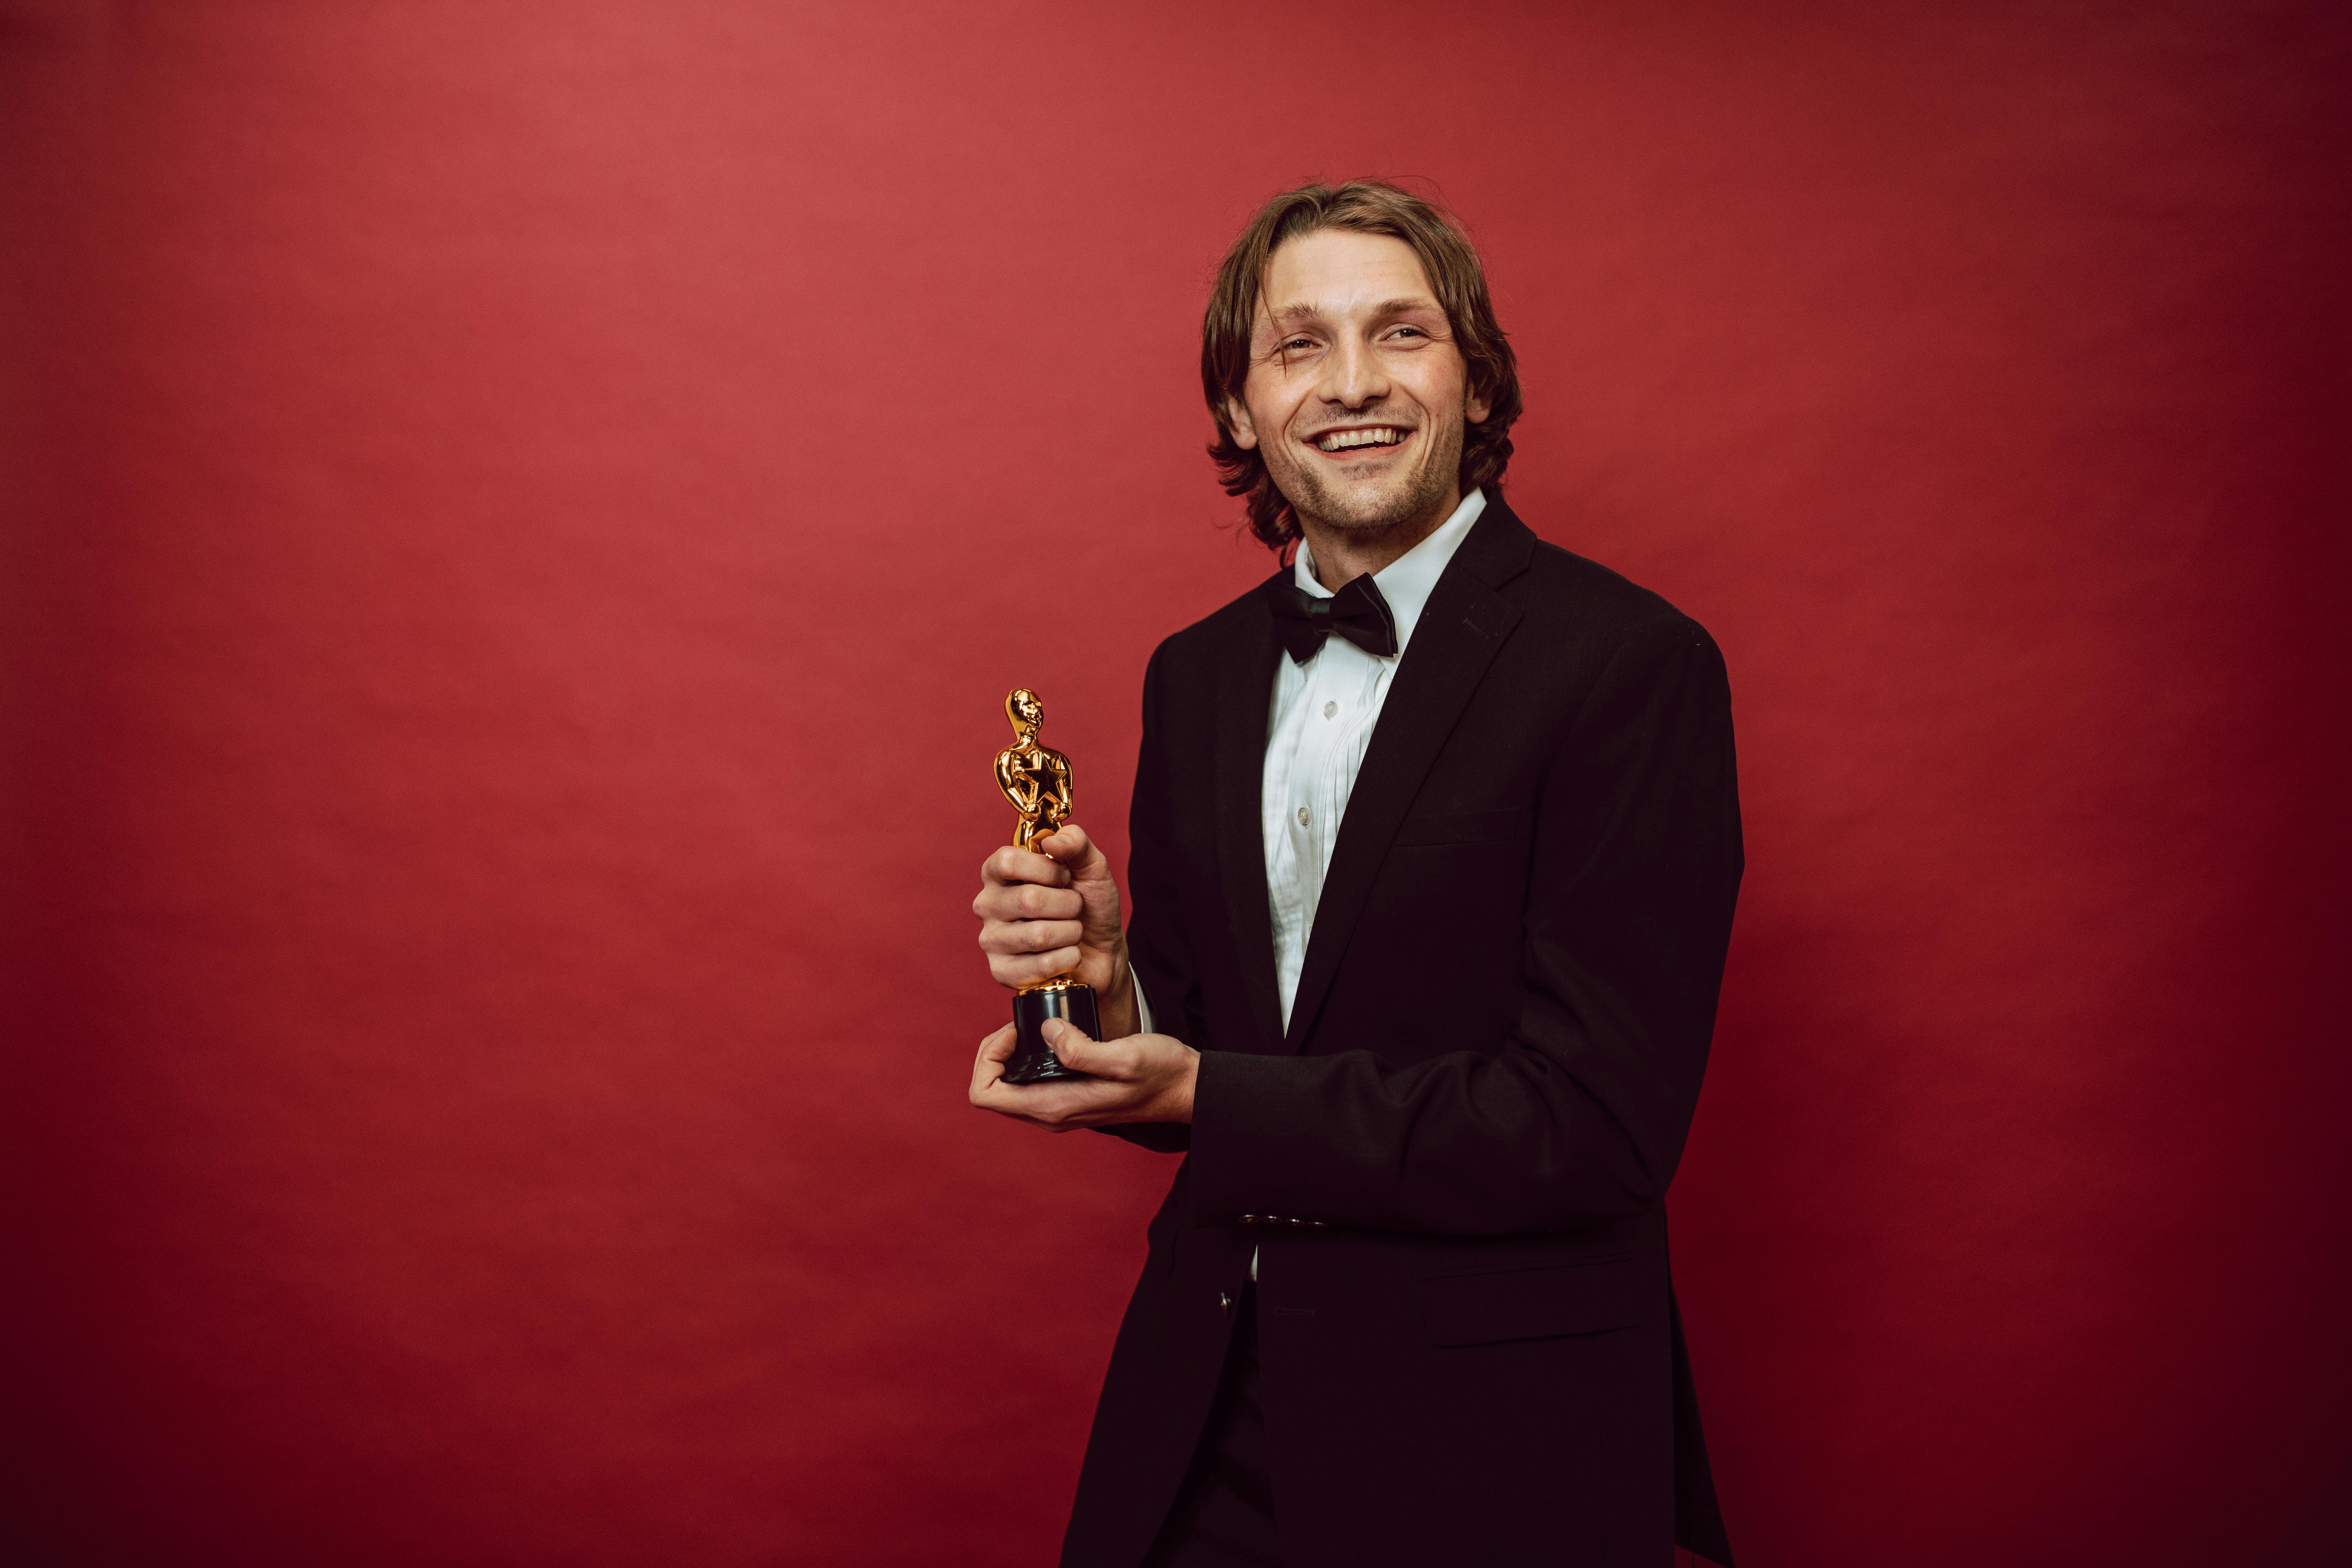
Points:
[[1033, 1059]]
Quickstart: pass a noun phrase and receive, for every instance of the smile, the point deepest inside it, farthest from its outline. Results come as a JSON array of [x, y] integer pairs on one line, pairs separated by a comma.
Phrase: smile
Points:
[[1370, 436]]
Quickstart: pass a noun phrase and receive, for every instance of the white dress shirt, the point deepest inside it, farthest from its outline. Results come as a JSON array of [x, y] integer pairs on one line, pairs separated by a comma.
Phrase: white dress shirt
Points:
[[1321, 725]]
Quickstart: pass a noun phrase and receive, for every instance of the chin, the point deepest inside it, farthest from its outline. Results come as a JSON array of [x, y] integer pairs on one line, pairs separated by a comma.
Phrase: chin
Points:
[[1369, 519], [1375, 508]]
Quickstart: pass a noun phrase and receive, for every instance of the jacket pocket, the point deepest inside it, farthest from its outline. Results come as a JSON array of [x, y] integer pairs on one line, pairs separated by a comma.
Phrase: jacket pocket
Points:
[[1462, 827], [1587, 1296]]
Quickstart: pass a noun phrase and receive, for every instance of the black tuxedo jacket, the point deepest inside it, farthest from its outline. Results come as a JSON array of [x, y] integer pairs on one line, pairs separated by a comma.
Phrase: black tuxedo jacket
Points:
[[1491, 1065]]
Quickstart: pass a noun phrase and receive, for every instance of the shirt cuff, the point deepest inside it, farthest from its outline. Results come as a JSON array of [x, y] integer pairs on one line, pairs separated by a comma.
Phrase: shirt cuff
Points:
[[1142, 1004]]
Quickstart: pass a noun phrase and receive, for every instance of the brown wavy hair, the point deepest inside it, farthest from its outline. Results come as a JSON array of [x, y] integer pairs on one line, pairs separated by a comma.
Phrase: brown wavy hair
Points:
[[1366, 206]]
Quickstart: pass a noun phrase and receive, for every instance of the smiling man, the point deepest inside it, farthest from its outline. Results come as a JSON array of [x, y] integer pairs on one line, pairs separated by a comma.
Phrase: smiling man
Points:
[[1435, 846]]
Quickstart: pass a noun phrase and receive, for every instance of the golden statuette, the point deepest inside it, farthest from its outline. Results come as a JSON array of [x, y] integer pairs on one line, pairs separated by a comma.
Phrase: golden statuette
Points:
[[1036, 779]]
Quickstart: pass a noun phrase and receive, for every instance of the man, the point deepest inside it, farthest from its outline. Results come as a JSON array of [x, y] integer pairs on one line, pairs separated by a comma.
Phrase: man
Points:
[[1435, 842]]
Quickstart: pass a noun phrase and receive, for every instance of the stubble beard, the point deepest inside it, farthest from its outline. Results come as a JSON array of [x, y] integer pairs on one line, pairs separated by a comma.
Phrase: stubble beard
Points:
[[1366, 511]]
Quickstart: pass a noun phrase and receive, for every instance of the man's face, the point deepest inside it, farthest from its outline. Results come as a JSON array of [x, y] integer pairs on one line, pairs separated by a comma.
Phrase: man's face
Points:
[[1356, 394]]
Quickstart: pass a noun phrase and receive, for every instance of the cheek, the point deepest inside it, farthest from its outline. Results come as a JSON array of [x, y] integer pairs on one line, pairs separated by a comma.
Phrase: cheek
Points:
[[1270, 411], [1442, 384]]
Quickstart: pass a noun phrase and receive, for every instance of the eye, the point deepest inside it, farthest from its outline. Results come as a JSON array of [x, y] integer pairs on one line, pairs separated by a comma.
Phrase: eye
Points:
[[1408, 331], [1294, 344]]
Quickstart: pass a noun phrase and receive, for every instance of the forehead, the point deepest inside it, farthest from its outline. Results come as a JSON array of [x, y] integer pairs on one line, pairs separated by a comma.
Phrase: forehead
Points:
[[1338, 272]]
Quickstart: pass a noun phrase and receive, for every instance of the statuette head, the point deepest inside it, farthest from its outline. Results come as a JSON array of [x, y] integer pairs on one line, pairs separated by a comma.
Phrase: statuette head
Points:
[[1025, 711]]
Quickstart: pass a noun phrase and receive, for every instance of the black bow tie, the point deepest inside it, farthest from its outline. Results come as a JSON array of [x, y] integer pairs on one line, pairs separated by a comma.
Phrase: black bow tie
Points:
[[1356, 612]]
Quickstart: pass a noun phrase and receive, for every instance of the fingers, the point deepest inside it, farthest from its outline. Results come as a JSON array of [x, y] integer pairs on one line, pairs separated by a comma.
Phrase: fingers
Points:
[[988, 1067], [1028, 969], [1030, 930], [1027, 902], [1009, 937], [1009, 866]]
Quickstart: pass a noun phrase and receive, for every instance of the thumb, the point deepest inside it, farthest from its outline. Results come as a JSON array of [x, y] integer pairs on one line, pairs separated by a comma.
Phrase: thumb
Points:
[[1077, 1050], [1070, 845]]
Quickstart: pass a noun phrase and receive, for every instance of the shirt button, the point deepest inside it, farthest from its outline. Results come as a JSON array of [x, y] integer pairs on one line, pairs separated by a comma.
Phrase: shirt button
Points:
[[1305, 817], [1331, 709]]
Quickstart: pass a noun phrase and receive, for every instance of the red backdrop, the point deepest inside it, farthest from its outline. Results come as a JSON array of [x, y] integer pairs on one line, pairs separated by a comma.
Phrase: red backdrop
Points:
[[520, 518]]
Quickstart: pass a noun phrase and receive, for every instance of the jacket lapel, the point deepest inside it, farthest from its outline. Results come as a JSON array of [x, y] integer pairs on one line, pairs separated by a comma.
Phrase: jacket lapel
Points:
[[1244, 700], [1462, 626]]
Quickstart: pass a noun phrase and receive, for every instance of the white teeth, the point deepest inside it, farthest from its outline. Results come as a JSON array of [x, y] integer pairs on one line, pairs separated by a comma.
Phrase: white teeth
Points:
[[1341, 440]]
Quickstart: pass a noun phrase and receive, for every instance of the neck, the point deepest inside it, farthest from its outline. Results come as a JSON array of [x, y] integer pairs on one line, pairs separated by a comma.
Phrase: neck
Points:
[[1344, 555]]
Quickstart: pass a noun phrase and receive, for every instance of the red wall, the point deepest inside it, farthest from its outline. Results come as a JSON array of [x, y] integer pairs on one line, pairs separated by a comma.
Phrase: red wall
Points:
[[520, 518]]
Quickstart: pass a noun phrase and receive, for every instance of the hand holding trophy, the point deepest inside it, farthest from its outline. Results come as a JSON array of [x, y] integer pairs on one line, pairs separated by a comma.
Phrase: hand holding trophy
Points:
[[1036, 779]]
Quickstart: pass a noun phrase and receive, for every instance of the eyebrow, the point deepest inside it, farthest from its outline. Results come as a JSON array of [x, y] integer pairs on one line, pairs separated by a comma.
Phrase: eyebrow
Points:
[[1402, 305]]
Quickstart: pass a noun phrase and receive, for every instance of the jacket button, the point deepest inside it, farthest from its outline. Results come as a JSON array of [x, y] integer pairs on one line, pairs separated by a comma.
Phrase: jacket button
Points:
[[1225, 1302]]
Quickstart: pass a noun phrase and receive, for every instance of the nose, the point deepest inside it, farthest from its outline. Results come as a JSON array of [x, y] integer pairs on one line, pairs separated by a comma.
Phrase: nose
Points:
[[1352, 376]]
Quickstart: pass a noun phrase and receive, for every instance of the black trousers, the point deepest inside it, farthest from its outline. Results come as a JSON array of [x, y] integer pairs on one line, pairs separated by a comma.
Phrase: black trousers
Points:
[[1224, 1516]]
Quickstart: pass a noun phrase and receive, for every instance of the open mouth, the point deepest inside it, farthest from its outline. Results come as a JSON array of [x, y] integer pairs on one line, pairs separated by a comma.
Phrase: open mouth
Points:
[[1368, 436]]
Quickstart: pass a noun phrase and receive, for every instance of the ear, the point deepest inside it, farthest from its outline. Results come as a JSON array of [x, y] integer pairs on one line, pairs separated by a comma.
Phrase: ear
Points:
[[1475, 408], [1242, 426]]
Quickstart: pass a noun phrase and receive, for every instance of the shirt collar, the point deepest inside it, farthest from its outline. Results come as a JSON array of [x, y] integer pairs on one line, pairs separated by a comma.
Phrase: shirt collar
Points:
[[1406, 581]]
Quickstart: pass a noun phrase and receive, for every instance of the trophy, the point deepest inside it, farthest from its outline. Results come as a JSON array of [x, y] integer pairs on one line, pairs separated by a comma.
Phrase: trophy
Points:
[[1036, 779]]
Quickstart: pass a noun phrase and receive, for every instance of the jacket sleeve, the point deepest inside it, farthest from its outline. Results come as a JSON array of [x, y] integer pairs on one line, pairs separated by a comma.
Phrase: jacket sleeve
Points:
[[1580, 1116], [1157, 943]]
